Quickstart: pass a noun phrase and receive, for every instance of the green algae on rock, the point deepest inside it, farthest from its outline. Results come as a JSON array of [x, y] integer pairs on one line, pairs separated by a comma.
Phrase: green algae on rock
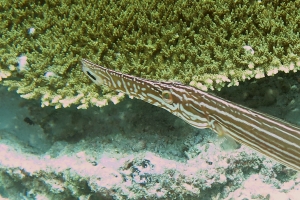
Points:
[[206, 44]]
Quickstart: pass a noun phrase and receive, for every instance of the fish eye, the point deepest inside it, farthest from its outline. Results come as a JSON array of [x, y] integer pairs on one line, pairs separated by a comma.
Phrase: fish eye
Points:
[[167, 96]]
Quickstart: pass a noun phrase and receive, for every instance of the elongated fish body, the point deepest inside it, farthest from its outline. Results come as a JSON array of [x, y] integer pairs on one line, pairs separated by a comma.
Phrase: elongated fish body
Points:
[[266, 134]]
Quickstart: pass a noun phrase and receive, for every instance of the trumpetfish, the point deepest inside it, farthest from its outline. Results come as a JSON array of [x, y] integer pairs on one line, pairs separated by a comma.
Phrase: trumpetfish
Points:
[[271, 136]]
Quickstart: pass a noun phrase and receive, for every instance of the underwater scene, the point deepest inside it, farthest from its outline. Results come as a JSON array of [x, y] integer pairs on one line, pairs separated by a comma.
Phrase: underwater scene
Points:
[[134, 150], [150, 100]]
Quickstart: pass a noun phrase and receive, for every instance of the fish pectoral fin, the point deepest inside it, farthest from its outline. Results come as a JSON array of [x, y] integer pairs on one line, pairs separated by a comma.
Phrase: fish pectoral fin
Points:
[[226, 142], [229, 144]]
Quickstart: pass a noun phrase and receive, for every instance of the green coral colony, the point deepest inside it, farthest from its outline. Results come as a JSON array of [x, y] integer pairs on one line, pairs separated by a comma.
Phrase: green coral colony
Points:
[[206, 44]]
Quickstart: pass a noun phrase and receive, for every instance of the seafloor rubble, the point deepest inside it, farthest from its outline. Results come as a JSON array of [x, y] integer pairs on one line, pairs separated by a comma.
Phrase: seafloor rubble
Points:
[[133, 150]]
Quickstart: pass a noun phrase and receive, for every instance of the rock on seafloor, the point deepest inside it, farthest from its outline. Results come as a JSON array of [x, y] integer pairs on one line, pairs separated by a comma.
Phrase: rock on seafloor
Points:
[[131, 150]]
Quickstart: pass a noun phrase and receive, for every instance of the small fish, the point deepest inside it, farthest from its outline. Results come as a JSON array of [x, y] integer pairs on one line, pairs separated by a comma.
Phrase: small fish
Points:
[[28, 121], [273, 137]]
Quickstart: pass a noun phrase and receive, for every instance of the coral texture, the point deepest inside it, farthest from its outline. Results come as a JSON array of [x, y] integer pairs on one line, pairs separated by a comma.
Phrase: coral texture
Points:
[[205, 44]]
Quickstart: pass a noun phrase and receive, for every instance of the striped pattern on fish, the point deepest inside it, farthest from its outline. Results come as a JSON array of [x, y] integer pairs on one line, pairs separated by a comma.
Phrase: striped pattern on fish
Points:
[[266, 134]]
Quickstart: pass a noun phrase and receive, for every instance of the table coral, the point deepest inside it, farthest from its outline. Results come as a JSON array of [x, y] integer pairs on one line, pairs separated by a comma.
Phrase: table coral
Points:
[[206, 44]]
